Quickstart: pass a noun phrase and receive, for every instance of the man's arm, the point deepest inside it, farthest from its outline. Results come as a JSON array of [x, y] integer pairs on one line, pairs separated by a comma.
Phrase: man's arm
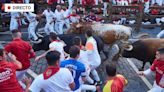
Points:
[[43, 55], [34, 87], [15, 61]]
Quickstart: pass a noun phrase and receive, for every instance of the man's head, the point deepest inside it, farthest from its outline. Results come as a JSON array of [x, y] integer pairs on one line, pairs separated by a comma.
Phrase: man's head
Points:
[[58, 7], [73, 11], [74, 52], [160, 54], [77, 41], [16, 34], [53, 58], [53, 36], [111, 69], [2, 53], [91, 12], [88, 33]]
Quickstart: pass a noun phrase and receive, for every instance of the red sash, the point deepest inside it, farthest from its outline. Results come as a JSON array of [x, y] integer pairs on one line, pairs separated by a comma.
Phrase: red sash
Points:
[[50, 71]]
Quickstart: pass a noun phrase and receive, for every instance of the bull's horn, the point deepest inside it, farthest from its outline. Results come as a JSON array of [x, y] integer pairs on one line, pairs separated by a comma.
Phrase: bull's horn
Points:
[[140, 36], [124, 42], [129, 48]]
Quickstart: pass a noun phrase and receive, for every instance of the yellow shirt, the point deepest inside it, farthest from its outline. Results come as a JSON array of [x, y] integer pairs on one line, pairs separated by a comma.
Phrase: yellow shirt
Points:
[[116, 84]]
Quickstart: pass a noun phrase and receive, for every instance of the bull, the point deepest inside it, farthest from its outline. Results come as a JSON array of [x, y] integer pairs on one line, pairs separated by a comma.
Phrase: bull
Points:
[[68, 39], [143, 50], [110, 33]]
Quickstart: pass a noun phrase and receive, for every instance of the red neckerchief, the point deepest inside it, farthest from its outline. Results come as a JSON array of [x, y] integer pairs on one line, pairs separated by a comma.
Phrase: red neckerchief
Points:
[[50, 71], [56, 41]]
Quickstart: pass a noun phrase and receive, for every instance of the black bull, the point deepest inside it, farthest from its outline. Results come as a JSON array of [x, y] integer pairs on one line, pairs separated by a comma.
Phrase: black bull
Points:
[[141, 52], [68, 39]]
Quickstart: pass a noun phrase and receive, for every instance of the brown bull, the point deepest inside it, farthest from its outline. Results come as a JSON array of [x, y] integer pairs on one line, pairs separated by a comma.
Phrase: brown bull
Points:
[[110, 33]]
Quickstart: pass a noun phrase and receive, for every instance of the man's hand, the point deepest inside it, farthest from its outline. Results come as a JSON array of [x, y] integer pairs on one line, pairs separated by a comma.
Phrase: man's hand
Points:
[[37, 58], [27, 81], [12, 57]]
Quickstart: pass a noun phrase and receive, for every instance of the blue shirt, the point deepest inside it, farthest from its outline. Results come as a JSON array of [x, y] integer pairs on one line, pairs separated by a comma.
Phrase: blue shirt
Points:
[[76, 68]]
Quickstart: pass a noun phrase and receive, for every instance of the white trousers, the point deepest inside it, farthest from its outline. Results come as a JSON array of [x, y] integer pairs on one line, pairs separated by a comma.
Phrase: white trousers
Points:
[[105, 13], [59, 27], [160, 34], [49, 28], [85, 87], [146, 9], [159, 2], [67, 23], [31, 30], [13, 24], [156, 88], [70, 4], [123, 3], [26, 1], [60, 1], [96, 2], [95, 75]]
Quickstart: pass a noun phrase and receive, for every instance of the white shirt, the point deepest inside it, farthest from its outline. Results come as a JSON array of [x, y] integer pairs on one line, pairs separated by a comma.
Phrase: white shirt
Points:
[[58, 82], [59, 15], [15, 14], [74, 19], [83, 58], [59, 47], [49, 15], [31, 17], [92, 51]]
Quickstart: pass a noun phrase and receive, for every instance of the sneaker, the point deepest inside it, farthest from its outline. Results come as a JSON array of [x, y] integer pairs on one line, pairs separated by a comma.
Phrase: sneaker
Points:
[[99, 82], [94, 83]]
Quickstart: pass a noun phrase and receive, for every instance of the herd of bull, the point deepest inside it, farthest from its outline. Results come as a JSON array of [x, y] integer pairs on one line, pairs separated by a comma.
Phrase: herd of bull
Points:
[[143, 49]]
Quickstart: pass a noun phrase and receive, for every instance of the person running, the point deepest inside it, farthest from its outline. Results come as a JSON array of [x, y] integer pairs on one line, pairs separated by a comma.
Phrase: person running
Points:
[[31, 17], [49, 27], [23, 52], [8, 80], [83, 58], [77, 68], [93, 57], [54, 78], [55, 44], [158, 68]]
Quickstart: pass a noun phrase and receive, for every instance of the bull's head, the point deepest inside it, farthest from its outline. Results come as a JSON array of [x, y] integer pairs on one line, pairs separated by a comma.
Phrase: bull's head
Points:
[[126, 47]]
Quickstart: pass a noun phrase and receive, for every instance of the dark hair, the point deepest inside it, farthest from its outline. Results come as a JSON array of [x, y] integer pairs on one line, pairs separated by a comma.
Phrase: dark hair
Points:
[[15, 31], [89, 33], [53, 36], [52, 57], [76, 40], [111, 69], [1, 52], [161, 50], [74, 51]]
